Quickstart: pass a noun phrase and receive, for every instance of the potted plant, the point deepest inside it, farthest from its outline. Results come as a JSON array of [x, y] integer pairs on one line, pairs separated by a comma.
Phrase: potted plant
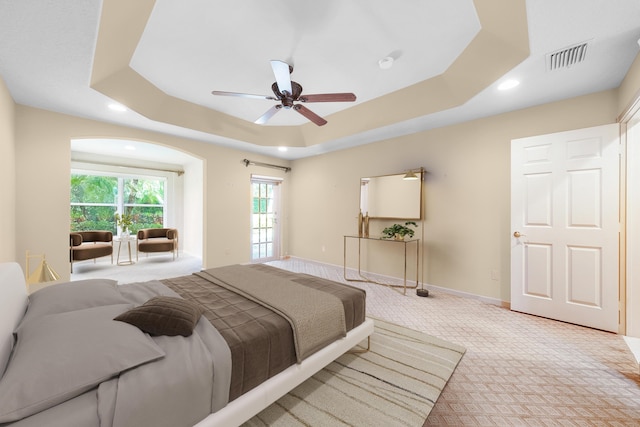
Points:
[[399, 231], [124, 222]]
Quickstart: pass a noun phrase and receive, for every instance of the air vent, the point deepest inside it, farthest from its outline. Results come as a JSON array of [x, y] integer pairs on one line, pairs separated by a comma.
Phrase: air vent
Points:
[[567, 57]]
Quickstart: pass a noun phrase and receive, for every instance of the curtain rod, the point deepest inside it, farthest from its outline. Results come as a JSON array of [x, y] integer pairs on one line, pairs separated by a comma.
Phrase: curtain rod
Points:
[[179, 172], [268, 165]]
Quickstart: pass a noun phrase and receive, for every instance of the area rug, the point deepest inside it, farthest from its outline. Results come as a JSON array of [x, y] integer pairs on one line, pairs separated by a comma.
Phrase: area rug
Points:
[[396, 383]]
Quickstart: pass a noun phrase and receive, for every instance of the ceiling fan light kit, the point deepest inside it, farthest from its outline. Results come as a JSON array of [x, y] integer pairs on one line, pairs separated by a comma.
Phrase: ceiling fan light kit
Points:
[[288, 93]]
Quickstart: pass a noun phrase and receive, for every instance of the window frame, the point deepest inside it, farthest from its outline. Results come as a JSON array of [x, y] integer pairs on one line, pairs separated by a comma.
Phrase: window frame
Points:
[[122, 173]]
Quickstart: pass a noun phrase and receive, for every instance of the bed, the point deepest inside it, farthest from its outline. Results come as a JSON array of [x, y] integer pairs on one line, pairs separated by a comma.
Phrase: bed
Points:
[[209, 349]]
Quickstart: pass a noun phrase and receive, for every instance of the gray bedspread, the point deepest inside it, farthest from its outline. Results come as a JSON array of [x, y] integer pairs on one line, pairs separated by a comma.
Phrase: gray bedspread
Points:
[[186, 378], [180, 389]]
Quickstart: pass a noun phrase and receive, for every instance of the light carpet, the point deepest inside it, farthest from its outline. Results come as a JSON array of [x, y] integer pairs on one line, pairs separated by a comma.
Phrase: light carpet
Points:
[[396, 383]]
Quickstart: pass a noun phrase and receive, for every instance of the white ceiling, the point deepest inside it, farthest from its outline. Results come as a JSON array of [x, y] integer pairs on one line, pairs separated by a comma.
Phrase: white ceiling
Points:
[[191, 47]]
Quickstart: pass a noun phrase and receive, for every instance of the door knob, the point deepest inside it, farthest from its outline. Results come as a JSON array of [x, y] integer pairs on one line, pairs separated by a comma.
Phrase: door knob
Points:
[[517, 234]]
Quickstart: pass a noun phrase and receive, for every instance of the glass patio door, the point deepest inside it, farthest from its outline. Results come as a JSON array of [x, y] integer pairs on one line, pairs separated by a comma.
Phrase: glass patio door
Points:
[[265, 230]]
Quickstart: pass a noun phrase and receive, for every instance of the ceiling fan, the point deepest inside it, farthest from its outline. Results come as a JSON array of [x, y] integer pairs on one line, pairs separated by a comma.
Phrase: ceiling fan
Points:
[[288, 92]]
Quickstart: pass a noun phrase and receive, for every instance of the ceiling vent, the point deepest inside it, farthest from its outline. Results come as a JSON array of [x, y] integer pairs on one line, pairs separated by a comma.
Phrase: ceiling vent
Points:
[[567, 57]]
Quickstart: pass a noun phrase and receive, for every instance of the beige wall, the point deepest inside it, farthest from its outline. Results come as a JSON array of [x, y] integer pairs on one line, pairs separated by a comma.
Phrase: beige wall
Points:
[[629, 90], [43, 171], [7, 175], [467, 225], [467, 232]]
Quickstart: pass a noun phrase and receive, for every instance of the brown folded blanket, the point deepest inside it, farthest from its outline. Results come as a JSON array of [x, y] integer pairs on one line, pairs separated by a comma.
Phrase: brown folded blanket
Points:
[[317, 318]]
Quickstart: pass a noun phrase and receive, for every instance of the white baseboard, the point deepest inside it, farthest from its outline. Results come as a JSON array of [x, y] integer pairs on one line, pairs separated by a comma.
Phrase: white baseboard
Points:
[[482, 298], [391, 279]]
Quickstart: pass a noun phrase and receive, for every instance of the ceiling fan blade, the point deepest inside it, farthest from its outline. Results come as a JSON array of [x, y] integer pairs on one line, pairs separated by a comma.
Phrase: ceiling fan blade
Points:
[[244, 95], [266, 116], [310, 115], [282, 72], [328, 97]]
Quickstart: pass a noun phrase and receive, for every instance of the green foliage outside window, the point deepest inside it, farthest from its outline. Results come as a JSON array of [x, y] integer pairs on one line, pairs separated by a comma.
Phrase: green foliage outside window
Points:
[[94, 202]]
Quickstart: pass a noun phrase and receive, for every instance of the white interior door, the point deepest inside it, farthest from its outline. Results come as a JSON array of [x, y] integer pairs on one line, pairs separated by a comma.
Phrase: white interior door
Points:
[[564, 208]]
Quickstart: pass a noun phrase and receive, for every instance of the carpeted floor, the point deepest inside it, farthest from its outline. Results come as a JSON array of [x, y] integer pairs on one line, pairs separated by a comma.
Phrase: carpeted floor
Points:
[[395, 383], [148, 267], [518, 370]]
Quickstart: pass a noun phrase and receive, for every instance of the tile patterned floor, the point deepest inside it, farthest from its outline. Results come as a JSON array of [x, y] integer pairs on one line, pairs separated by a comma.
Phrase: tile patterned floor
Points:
[[519, 370]]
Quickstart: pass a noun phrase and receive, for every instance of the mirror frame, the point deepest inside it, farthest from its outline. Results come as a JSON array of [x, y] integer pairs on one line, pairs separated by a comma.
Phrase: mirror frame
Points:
[[393, 199]]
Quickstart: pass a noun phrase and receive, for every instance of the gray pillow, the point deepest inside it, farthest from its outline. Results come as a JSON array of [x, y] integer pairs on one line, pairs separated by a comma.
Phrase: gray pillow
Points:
[[60, 356], [13, 304], [164, 315], [70, 296]]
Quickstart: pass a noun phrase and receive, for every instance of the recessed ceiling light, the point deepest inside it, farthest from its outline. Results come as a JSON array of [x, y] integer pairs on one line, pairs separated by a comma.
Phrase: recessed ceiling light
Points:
[[283, 149], [117, 107], [508, 84]]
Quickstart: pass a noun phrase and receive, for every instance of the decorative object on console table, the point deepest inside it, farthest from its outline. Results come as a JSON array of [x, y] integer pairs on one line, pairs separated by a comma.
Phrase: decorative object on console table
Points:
[[398, 231], [360, 224], [366, 225], [43, 273]]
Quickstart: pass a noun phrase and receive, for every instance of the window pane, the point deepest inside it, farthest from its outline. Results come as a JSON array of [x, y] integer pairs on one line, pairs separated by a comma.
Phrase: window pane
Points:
[[145, 217], [144, 191], [84, 218], [263, 220], [94, 201], [93, 189]]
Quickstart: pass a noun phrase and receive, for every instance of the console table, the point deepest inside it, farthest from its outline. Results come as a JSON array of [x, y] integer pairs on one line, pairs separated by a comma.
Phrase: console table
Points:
[[362, 278]]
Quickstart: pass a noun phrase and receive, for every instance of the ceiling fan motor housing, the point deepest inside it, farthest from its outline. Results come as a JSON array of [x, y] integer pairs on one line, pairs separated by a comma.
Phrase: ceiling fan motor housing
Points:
[[286, 98]]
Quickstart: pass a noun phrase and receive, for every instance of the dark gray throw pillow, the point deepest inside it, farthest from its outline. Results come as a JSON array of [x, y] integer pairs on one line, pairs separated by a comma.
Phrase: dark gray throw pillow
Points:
[[164, 315]]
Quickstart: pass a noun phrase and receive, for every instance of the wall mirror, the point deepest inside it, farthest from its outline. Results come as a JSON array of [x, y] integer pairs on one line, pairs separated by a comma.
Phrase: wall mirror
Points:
[[392, 196]]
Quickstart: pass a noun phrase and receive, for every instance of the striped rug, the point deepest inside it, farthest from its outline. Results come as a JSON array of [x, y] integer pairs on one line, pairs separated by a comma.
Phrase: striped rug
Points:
[[396, 383]]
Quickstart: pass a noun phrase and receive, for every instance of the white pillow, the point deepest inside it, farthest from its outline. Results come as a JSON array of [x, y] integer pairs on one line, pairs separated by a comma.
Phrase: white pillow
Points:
[[13, 303]]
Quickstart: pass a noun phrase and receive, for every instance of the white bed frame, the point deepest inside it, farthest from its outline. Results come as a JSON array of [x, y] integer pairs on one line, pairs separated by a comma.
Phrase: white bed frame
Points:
[[13, 297], [251, 403]]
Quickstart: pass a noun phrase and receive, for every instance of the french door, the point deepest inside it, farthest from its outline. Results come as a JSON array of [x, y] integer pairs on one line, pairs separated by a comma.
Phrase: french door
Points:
[[265, 227], [565, 226]]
